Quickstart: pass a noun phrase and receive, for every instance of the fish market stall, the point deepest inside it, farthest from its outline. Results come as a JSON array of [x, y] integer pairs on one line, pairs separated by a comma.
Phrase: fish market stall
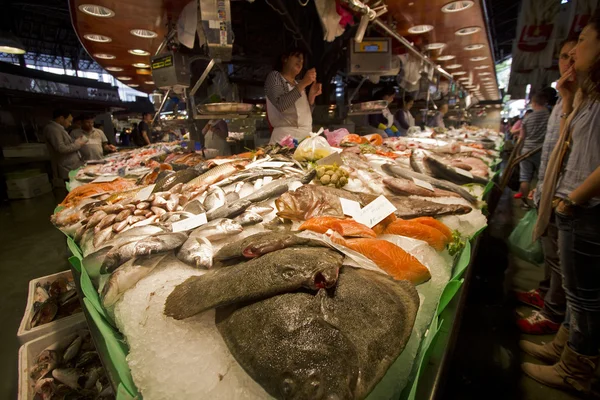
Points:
[[247, 276]]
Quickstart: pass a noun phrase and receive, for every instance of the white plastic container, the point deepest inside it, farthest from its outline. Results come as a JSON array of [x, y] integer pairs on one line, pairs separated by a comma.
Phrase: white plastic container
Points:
[[33, 150], [26, 333], [29, 351]]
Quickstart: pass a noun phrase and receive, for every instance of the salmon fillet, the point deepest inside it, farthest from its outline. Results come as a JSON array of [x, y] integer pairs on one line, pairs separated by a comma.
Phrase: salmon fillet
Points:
[[416, 230], [434, 223], [380, 227], [392, 259], [345, 227]]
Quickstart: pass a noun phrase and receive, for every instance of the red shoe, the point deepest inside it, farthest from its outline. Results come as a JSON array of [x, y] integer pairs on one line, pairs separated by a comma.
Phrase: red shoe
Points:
[[518, 195], [537, 324], [531, 298]]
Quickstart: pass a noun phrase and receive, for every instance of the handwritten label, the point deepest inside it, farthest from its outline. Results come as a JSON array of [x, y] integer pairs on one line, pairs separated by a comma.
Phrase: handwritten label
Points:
[[464, 173], [101, 179], [350, 207], [423, 184], [267, 179], [144, 193], [189, 223], [375, 212], [333, 158]]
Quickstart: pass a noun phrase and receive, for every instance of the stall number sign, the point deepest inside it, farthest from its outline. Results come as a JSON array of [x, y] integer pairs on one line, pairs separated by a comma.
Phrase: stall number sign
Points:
[[163, 62]]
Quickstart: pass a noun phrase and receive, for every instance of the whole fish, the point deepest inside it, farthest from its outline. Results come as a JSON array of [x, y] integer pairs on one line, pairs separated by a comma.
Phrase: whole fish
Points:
[[262, 243], [231, 197], [248, 218], [194, 207], [397, 171], [214, 199], [228, 210], [126, 276], [249, 175], [260, 209], [217, 229], [416, 161], [197, 251], [349, 346], [183, 176], [269, 190], [413, 208], [405, 187], [443, 171], [274, 273], [215, 175]]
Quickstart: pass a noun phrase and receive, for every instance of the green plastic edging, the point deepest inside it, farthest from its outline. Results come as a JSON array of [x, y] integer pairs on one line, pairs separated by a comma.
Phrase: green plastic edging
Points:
[[115, 347], [90, 293], [463, 261], [123, 394], [476, 234], [76, 263], [426, 345], [74, 249], [68, 186], [448, 294], [73, 173]]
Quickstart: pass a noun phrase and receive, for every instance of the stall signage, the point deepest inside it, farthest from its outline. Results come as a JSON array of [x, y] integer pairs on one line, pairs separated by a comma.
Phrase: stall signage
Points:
[[163, 62]]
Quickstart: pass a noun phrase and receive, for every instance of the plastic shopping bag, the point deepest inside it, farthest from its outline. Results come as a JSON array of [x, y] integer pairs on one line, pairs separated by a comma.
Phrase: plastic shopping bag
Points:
[[521, 241], [312, 149]]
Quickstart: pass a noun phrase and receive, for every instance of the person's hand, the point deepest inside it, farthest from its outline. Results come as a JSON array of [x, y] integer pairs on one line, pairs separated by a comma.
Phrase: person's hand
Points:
[[309, 77], [567, 86], [112, 147], [563, 208], [81, 141], [315, 90], [531, 194]]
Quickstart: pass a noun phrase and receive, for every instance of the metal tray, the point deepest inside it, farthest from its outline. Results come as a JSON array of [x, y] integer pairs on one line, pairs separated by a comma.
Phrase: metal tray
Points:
[[226, 108]]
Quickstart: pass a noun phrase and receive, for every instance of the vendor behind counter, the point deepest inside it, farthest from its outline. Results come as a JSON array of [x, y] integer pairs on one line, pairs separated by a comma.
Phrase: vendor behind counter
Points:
[[96, 141]]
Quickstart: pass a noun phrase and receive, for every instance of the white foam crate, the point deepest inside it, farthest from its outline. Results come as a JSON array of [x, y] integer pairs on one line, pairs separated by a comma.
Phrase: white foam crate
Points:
[[26, 332], [30, 350]]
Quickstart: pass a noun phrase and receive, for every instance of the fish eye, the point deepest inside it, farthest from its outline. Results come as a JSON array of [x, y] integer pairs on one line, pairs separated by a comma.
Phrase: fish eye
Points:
[[288, 387]]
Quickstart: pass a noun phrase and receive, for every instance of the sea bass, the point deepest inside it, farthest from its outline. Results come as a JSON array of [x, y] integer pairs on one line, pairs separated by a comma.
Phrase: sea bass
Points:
[[215, 175], [279, 272], [405, 187], [443, 171], [197, 251]]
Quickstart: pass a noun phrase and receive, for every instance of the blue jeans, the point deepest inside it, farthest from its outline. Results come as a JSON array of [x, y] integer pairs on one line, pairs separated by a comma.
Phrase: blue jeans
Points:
[[579, 252], [551, 288]]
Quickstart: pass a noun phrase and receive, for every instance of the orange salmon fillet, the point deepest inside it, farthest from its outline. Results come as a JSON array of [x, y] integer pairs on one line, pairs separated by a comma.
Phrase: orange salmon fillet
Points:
[[416, 230], [392, 259], [434, 223], [380, 227], [345, 227]]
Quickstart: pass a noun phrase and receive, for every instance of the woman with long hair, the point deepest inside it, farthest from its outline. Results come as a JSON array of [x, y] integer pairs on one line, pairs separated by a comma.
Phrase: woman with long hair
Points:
[[572, 186]]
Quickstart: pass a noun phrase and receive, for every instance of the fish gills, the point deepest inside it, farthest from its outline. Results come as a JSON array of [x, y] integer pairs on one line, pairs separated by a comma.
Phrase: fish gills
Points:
[[392, 259], [417, 230]]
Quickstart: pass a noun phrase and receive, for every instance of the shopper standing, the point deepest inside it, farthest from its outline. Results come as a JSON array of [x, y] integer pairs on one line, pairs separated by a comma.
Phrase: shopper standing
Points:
[[550, 296], [64, 151], [437, 121], [534, 130], [572, 182], [96, 144], [142, 135]]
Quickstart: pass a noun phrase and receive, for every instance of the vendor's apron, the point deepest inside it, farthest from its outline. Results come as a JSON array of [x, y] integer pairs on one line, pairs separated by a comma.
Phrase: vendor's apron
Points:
[[212, 140], [409, 119], [297, 123], [387, 114]]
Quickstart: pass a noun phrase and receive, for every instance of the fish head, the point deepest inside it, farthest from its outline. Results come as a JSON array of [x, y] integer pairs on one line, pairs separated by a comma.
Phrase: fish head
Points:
[[266, 244], [314, 383], [230, 227]]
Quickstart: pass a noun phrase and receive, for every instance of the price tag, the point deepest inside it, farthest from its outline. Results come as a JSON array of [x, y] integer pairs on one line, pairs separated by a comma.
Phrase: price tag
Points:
[[375, 212], [220, 161], [333, 158], [144, 193], [463, 172], [213, 24], [189, 223], [423, 184], [267, 179], [101, 179], [350, 207]]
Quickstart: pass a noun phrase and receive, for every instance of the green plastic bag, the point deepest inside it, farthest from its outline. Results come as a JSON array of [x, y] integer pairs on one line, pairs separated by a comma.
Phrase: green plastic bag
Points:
[[521, 241]]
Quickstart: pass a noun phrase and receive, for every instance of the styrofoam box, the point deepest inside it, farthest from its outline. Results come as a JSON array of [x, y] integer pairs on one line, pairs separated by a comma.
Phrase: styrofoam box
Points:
[[29, 351], [26, 333], [27, 182], [26, 150], [29, 192]]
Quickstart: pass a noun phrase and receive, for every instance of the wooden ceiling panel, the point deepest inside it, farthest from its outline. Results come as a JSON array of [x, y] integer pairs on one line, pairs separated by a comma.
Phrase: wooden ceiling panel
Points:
[[409, 13]]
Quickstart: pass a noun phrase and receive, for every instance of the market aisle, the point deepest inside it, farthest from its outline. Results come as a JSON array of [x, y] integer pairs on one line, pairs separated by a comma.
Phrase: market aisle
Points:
[[30, 247], [487, 357]]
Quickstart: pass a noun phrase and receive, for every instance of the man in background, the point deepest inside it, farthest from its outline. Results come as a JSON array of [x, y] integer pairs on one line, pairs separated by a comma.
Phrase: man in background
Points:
[[96, 144], [64, 151], [142, 137], [437, 121]]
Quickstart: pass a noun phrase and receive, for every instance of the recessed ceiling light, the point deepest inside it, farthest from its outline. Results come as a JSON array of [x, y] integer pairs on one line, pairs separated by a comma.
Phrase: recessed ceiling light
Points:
[[139, 52], [141, 65], [482, 67], [435, 46], [484, 73], [464, 78], [114, 69], [133, 85], [418, 29], [12, 50], [480, 58], [446, 57], [96, 11], [149, 82], [476, 46], [486, 79], [457, 6], [97, 38], [124, 78], [467, 31], [459, 73], [104, 56], [453, 66], [144, 33]]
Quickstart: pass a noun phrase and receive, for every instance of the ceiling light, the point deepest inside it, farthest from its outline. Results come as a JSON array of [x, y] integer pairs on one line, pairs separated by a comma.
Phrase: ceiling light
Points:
[[96, 11], [457, 6], [486, 79], [459, 73], [467, 31], [139, 52], [114, 69], [453, 66], [464, 78], [472, 47], [480, 58], [418, 29], [484, 73], [149, 82], [435, 46], [97, 38], [133, 85], [482, 67], [141, 65], [11, 44], [446, 57], [124, 78], [104, 56], [144, 33]]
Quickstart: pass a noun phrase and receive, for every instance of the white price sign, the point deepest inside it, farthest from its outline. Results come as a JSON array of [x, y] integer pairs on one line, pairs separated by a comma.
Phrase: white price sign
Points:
[[350, 208], [375, 212], [189, 223], [101, 179], [464, 172], [145, 193]]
